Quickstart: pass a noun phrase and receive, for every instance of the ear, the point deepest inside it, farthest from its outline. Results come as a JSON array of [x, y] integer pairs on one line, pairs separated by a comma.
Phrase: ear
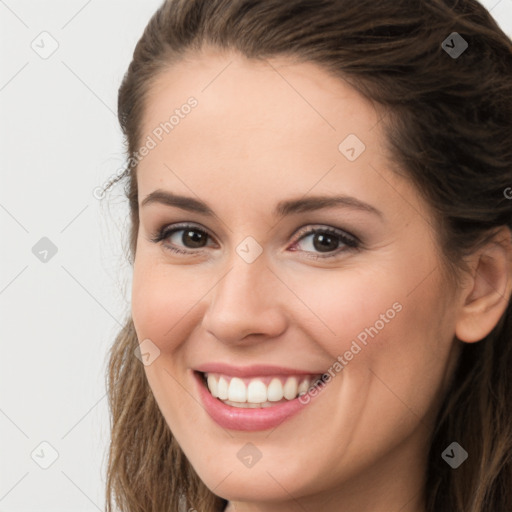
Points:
[[487, 292]]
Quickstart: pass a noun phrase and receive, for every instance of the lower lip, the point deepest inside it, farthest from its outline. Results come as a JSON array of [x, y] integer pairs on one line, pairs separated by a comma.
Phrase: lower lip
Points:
[[236, 418]]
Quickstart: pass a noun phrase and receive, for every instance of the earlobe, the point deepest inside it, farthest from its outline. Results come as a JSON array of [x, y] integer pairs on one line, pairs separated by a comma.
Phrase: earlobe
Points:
[[488, 294]]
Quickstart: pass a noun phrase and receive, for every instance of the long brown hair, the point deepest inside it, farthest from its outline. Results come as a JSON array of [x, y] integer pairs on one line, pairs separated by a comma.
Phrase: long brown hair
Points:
[[448, 123]]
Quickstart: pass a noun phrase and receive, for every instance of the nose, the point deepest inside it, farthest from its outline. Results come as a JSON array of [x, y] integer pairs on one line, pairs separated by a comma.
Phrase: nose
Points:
[[247, 301]]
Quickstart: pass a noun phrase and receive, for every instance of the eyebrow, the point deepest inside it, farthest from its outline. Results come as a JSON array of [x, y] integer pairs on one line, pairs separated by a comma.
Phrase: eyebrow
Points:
[[286, 207]]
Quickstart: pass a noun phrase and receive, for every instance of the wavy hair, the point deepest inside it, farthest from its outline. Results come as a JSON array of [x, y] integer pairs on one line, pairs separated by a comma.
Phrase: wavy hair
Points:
[[448, 124]]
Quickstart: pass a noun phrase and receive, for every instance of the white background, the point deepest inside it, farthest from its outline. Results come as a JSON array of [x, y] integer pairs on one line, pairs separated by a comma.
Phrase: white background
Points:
[[59, 140]]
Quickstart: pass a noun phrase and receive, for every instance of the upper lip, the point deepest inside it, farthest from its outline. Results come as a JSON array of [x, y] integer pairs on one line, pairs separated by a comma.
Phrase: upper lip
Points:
[[255, 370]]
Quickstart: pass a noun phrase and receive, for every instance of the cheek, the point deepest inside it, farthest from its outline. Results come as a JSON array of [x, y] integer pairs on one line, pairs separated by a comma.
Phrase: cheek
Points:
[[162, 303], [341, 307], [405, 339], [164, 300], [149, 302], [373, 320]]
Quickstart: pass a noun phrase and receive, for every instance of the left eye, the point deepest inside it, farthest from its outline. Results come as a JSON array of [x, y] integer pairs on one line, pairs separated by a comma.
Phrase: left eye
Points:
[[324, 239]]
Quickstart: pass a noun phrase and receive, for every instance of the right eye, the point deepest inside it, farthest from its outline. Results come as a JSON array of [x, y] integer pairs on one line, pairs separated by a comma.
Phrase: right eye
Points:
[[190, 235]]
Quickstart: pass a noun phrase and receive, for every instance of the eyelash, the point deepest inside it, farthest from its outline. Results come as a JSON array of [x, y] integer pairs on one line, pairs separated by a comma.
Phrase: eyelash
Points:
[[351, 242]]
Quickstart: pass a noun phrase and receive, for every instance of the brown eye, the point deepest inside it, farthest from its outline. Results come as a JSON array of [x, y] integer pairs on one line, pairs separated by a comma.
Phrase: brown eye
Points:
[[192, 238], [326, 240], [186, 236]]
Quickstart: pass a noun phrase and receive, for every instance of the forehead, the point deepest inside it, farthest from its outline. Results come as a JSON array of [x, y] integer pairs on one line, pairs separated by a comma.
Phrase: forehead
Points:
[[272, 126], [295, 93]]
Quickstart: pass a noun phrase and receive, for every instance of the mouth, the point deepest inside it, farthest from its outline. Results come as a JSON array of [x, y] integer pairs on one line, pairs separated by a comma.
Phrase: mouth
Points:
[[257, 392]]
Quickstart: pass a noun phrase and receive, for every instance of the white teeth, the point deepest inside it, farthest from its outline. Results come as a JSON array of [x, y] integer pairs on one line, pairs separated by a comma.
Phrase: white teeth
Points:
[[244, 405], [222, 388], [275, 390], [213, 386], [303, 387], [248, 405], [290, 388], [256, 393], [237, 391]]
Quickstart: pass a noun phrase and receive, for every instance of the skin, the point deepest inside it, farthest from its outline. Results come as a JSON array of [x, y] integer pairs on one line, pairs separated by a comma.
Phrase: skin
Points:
[[264, 132]]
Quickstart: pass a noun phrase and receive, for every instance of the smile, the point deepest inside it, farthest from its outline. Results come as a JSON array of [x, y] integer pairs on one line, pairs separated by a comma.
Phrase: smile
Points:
[[252, 403], [257, 392]]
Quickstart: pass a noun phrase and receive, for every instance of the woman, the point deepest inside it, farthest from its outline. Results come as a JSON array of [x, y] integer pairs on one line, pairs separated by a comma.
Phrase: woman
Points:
[[322, 259]]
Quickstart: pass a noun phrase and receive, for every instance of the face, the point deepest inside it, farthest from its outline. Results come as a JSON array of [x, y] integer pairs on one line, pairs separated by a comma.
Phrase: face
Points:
[[350, 288]]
